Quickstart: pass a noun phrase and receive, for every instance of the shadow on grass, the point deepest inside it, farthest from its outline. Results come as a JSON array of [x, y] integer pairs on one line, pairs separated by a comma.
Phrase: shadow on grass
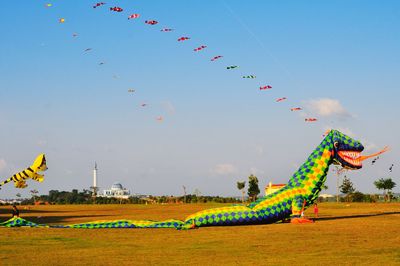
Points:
[[27, 211], [355, 216], [58, 219]]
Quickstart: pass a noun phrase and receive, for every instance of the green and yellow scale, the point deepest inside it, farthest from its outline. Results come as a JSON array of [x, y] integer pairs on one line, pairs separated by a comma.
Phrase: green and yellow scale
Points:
[[301, 191]]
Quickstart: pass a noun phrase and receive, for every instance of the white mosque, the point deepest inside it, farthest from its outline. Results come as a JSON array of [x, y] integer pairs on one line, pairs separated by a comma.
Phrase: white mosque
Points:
[[116, 190]]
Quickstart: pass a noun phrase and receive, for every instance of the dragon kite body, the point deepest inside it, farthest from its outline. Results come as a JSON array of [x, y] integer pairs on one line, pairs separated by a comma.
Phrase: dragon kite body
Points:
[[39, 165], [301, 191]]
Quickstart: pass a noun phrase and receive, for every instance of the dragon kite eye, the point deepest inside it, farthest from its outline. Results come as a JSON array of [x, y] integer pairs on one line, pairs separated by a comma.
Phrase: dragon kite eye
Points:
[[336, 144]]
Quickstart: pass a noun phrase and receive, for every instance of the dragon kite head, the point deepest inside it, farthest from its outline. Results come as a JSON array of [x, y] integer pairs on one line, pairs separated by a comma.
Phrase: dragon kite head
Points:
[[39, 164], [347, 151]]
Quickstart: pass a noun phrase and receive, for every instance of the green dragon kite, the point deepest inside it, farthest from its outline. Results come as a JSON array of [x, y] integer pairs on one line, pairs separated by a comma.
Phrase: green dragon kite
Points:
[[301, 191]]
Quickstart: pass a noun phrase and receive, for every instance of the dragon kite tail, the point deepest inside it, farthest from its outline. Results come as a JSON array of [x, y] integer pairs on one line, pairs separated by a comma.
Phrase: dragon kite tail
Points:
[[19, 179]]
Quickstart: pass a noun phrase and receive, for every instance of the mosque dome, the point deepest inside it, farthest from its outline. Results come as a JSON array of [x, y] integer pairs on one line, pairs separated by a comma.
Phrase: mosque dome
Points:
[[116, 186]]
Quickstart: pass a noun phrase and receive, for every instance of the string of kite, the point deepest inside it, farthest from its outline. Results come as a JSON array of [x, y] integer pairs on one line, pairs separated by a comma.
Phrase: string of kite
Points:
[[196, 49]]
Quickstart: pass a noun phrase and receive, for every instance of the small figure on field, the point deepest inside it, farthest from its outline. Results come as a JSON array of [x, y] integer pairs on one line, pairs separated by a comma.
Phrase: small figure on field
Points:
[[15, 211], [315, 210]]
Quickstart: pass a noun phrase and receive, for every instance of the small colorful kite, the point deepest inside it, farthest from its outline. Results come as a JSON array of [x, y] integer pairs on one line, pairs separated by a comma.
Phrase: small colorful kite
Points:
[[99, 4], [151, 22], [183, 39], [200, 48], [48, 5], [249, 77], [116, 9], [61, 20], [231, 67], [310, 119], [281, 99], [296, 109], [267, 87], [166, 30], [216, 57], [160, 118], [133, 16]]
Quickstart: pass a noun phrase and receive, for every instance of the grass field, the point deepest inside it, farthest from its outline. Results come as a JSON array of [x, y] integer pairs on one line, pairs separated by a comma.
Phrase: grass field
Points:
[[345, 234]]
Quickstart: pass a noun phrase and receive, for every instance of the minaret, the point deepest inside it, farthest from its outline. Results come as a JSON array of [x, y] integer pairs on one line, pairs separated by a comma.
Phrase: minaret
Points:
[[95, 175], [94, 188]]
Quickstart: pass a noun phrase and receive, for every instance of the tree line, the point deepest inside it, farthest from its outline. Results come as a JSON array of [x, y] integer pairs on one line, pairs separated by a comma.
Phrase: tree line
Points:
[[351, 194], [86, 197], [347, 188], [253, 190]]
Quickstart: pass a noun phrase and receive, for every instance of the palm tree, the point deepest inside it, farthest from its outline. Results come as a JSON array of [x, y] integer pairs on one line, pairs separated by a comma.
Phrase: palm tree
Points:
[[18, 197], [240, 186], [34, 192]]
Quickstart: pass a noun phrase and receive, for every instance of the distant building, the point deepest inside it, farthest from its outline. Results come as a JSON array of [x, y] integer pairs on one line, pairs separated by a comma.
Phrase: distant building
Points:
[[94, 188], [271, 188], [326, 196], [116, 191]]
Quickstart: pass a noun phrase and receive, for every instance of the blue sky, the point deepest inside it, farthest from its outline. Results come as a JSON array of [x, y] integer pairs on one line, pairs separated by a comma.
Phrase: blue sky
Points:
[[338, 60]]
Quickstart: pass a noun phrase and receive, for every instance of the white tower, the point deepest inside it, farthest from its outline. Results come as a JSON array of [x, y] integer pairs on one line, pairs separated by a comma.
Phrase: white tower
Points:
[[94, 187], [95, 175]]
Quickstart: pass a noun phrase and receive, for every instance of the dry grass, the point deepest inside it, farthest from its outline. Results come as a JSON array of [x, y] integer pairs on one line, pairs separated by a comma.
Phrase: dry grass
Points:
[[346, 235]]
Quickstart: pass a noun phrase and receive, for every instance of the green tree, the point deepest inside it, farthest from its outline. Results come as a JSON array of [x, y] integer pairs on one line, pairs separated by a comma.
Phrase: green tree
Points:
[[386, 185], [347, 187], [240, 186], [357, 196], [253, 190]]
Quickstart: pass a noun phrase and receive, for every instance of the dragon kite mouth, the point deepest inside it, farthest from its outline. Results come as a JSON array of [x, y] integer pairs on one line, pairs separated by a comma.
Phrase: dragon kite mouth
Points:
[[354, 158]]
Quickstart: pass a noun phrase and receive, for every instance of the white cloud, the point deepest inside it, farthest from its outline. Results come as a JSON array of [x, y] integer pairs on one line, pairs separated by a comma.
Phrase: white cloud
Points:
[[224, 169], [327, 107], [3, 164]]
